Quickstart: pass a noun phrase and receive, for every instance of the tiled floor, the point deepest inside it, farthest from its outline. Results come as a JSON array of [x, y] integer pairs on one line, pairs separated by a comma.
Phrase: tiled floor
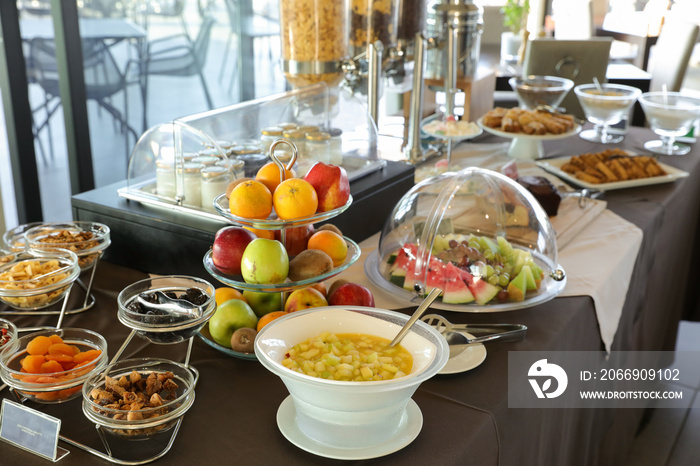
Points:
[[671, 436]]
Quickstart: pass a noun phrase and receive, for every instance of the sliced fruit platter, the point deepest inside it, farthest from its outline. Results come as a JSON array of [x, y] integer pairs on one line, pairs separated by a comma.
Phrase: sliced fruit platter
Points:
[[475, 274]]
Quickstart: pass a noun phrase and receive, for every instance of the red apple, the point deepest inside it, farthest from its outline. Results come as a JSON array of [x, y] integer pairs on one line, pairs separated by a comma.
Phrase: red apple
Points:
[[229, 244], [304, 298], [331, 185], [297, 238], [351, 294]]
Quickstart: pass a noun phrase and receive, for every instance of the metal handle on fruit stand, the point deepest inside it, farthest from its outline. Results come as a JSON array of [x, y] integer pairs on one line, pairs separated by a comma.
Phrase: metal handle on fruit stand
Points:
[[283, 174]]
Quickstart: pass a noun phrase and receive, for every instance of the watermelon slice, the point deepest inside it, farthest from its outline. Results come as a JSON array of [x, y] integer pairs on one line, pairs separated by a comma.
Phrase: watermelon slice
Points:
[[483, 291], [401, 260], [456, 290], [436, 275]]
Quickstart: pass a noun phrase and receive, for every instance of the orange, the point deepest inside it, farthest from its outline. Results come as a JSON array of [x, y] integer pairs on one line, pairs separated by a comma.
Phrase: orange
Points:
[[267, 234], [269, 317], [331, 243], [251, 199], [223, 294], [269, 175], [295, 198]]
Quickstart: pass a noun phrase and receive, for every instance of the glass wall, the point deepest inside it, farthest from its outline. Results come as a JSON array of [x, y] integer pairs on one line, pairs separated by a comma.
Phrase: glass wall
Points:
[[145, 62]]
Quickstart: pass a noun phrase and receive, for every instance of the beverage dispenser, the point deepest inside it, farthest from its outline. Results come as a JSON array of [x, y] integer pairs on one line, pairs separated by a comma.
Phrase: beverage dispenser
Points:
[[463, 20]]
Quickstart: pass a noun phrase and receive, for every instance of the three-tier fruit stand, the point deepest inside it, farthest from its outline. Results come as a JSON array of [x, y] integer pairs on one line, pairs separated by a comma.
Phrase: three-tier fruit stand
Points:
[[275, 224]]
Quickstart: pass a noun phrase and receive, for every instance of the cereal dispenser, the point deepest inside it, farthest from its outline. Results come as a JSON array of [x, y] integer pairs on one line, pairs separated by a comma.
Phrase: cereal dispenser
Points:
[[314, 38]]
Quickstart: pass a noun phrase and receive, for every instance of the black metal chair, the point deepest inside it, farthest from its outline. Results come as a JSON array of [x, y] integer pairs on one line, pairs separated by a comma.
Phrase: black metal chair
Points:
[[103, 80], [176, 56]]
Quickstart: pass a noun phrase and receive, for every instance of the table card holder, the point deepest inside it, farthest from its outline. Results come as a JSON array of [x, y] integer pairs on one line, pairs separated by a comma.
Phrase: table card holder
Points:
[[31, 430]]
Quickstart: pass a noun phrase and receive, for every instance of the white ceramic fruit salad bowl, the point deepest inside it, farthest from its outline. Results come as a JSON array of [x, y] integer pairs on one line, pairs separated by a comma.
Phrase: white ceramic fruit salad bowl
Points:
[[350, 414]]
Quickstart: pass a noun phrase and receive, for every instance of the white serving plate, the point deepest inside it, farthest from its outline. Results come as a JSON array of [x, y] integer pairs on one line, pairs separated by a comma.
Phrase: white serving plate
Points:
[[554, 166]]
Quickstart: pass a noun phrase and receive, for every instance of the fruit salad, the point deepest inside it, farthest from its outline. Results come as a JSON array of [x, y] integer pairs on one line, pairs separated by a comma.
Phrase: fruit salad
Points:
[[469, 268]]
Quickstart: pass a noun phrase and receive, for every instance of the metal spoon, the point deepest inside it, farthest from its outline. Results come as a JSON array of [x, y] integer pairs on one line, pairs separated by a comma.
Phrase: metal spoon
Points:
[[171, 305], [434, 293]]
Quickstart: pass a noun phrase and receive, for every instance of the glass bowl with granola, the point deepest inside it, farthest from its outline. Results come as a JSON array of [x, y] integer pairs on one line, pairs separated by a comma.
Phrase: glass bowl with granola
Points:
[[86, 239], [35, 279], [137, 399]]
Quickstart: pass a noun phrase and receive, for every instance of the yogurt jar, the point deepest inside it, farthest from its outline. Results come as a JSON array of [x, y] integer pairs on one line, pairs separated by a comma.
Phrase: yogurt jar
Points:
[[189, 175], [268, 136], [318, 146], [214, 181], [165, 179]]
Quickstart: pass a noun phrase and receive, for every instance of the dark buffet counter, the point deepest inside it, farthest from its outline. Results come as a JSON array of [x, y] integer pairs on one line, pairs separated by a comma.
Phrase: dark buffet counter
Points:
[[466, 419]]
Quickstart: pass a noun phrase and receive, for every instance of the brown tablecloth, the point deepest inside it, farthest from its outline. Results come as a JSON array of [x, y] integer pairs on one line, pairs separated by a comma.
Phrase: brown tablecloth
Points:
[[466, 419]]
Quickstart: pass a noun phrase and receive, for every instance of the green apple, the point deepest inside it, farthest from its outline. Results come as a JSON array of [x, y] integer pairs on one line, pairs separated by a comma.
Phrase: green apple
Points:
[[263, 303], [264, 261], [229, 317]]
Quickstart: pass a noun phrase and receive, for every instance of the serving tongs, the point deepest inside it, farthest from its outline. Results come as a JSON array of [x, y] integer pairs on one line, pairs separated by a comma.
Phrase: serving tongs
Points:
[[456, 334], [583, 195], [171, 305]]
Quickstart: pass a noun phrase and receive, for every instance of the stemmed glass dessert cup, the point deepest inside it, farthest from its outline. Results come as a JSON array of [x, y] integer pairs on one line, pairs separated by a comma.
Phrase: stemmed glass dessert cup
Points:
[[605, 105], [670, 115], [535, 91]]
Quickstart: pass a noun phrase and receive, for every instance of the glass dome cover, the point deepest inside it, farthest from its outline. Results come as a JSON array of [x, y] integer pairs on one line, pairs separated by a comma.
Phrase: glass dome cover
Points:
[[477, 235]]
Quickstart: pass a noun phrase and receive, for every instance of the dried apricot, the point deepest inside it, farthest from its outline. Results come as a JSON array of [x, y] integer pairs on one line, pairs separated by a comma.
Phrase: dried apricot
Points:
[[61, 348], [86, 356], [51, 366], [32, 363], [39, 345], [62, 358], [55, 339]]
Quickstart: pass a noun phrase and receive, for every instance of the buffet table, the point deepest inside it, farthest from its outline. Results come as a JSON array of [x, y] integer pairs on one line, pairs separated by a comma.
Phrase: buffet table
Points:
[[466, 418]]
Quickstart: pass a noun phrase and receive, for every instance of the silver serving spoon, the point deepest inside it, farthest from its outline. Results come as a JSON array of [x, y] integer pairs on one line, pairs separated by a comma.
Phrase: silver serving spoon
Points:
[[434, 293], [171, 305]]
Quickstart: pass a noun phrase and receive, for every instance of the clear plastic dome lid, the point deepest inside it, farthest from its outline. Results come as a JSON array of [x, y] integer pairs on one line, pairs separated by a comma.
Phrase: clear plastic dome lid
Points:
[[175, 164], [479, 236]]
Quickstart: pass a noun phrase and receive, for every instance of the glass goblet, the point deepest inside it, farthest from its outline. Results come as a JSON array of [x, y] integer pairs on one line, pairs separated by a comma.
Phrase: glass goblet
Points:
[[670, 115], [535, 91], [605, 108]]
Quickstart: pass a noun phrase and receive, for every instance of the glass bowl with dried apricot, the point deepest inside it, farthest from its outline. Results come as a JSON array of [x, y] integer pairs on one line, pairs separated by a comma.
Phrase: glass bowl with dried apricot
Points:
[[51, 366]]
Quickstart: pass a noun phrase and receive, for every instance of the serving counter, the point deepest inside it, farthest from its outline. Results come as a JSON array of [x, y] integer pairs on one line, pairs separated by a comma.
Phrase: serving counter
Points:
[[466, 419]]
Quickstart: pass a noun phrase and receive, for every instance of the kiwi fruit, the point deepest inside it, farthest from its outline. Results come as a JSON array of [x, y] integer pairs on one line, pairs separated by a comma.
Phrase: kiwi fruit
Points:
[[330, 227], [308, 264], [233, 184], [243, 339], [335, 285]]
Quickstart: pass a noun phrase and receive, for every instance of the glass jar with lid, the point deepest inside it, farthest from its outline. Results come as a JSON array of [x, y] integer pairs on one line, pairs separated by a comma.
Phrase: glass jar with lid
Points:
[[373, 21], [207, 157], [314, 40], [268, 136], [335, 149], [318, 145], [165, 179], [214, 181], [235, 165], [296, 136], [188, 178]]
